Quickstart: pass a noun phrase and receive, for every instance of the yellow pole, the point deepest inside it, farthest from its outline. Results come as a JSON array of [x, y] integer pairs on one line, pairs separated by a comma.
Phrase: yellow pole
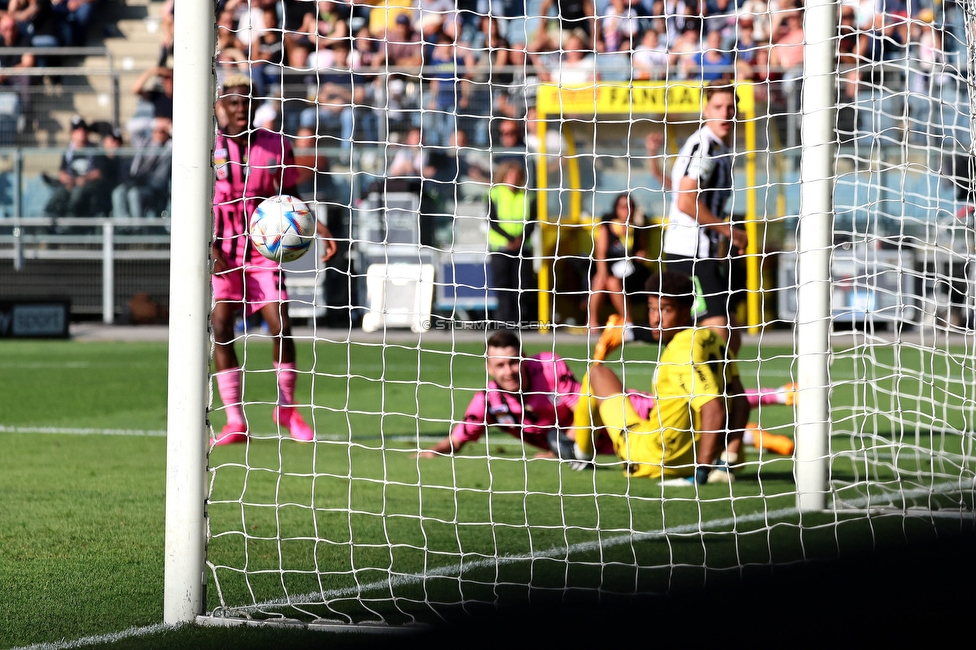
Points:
[[747, 104], [754, 249], [542, 211]]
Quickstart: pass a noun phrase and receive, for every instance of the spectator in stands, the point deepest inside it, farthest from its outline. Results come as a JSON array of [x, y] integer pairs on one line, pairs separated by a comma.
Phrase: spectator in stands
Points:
[[680, 17], [435, 17], [37, 19], [300, 27], [268, 115], [409, 160], [926, 78], [758, 13], [403, 46], [230, 51], [449, 88], [682, 63], [847, 56], [577, 66], [619, 256], [650, 58], [340, 91], [878, 109], [382, 21], [616, 66], [266, 51], [364, 61], [452, 166], [751, 57], [327, 31], [527, 73], [619, 23], [719, 16], [11, 36], [227, 31], [167, 20], [400, 52], [81, 178], [75, 17], [786, 51], [574, 16], [491, 77], [113, 168], [313, 179], [160, 97], [147, 185], [712, 63], [510, 146]]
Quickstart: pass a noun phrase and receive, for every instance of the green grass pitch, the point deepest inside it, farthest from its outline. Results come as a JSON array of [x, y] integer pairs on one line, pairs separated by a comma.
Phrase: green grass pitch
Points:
[[82, 474]]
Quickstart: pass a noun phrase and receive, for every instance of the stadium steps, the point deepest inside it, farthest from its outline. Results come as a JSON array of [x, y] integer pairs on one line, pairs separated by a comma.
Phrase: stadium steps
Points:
[[130, 30]]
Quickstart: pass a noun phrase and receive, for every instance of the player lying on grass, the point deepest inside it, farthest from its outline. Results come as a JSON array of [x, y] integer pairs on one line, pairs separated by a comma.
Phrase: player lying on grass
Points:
[[617, 331], [695, 429], [532, 399]]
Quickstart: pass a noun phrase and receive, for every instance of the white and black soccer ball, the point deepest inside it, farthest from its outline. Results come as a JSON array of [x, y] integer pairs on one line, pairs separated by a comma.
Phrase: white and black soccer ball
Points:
[[282, 228]]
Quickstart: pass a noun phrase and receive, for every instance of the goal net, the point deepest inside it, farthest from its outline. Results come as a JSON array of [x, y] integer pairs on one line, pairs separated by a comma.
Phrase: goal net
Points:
[[406, 120]]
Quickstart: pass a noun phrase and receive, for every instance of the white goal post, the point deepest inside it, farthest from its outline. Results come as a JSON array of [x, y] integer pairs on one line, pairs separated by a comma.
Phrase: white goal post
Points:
[[190, 305], [813, 254], [853, 177]]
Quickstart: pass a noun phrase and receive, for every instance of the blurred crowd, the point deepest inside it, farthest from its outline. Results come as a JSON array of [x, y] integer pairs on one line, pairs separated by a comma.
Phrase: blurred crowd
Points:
[[51, 23], [469, 65]]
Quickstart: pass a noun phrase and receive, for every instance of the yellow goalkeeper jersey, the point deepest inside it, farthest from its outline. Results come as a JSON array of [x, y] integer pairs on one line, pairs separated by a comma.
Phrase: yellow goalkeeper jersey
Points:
[[693, 370]]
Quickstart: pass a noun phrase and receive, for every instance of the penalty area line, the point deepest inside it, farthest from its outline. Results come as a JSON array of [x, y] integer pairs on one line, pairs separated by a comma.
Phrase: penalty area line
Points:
[[81, 431], [112, 637], [322, 437]]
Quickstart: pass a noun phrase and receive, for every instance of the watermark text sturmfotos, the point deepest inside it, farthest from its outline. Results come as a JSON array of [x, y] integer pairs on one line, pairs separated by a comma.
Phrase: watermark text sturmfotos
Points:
[[444, 324]]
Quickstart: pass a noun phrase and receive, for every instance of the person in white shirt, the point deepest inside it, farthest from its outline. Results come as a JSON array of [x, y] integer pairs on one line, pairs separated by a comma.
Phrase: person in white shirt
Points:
[[700, 240]]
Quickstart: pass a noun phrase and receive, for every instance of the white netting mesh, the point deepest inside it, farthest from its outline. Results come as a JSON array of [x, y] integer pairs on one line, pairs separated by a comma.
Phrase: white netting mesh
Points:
[[400, 128]]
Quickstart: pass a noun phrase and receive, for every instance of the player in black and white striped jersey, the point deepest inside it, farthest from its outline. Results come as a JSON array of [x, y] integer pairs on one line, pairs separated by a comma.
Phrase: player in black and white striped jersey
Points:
[[700, 240]]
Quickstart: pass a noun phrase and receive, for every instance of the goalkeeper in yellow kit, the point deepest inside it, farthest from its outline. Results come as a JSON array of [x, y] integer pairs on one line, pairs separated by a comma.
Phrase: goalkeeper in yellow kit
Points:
[[694, 432]]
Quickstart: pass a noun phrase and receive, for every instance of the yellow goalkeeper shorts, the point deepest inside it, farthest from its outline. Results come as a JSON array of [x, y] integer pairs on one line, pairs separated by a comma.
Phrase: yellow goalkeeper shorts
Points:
[[646, 448]]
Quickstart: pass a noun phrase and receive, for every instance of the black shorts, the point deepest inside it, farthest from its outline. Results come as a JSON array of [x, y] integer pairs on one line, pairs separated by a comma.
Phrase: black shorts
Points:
[[721, 282]]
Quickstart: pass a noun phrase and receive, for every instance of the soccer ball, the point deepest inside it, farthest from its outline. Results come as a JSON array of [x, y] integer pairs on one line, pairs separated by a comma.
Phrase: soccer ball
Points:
[[282, 228]]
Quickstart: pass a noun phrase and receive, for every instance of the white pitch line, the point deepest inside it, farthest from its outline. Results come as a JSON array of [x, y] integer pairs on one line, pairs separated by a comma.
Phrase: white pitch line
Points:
[[112, 637], [457, 569], [81, 432], [264, 435], [563, 551]]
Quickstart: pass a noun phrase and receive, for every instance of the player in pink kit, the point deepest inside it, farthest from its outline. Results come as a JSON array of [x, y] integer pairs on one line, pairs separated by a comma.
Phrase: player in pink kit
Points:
[[534, 399], [251, 165], [531, 399]]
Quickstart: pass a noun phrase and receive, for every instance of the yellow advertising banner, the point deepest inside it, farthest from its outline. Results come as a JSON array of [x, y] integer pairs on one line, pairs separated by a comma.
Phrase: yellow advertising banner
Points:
[[645, 98]]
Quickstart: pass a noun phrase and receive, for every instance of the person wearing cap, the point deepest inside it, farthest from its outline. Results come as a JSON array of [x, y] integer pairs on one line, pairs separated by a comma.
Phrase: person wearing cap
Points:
[[113, 169], [403, 47], [250, 165], [81, 176]]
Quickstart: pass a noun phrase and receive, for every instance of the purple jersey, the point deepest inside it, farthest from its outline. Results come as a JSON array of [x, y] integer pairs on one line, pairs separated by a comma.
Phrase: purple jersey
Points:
[[247, 173], [548, 397]]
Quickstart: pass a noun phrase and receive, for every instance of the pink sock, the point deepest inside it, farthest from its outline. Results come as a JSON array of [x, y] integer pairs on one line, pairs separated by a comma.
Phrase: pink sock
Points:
[[764, 396], [287, 377], [229, 387]]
